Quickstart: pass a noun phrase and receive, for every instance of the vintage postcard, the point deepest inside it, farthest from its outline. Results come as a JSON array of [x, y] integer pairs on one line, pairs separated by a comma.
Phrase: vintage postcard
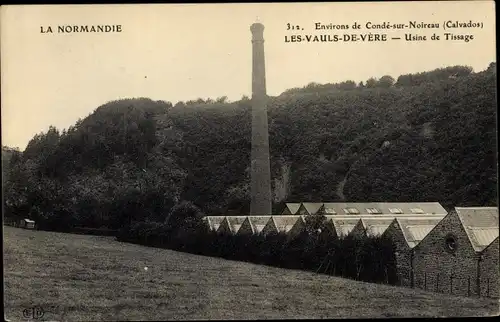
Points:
[[249, 161]]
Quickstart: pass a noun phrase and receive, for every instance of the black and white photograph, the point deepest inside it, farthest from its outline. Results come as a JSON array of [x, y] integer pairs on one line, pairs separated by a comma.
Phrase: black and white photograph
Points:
[[249, 161]]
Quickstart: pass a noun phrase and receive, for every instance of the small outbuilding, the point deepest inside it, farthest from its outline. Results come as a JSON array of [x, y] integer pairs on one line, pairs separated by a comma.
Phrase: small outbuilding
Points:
[[27, 223]]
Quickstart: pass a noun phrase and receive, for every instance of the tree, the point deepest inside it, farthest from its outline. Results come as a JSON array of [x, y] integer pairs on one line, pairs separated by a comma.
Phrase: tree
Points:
[[313, 85], [182, 213], [202, 153], [222, 100], [371, 82], [10, 157], [347, 85], [15, 184], [492, 67], [180, 104], [404, 80], [184, 223], [385, 81], [316, 223]]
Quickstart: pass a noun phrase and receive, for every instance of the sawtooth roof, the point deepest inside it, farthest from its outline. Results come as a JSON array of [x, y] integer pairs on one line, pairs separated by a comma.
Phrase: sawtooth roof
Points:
[[293, 207], [381, 208], [376, 226], [213, 221], [344, 226], [285, 223], [415, 229], [312, 207], [480, 224], [258, 222], [235, 222]]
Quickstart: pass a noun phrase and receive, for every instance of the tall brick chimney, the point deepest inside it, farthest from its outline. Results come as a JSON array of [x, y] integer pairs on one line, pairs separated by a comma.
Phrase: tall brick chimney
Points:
[[261, 170]]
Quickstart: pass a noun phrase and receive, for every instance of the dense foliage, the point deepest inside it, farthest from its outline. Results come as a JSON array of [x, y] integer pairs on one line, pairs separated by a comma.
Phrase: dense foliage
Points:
[[424, 137], [368, 259]]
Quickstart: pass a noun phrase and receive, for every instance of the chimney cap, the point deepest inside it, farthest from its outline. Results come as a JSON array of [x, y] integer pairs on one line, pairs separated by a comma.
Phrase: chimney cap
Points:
[[257, 28]]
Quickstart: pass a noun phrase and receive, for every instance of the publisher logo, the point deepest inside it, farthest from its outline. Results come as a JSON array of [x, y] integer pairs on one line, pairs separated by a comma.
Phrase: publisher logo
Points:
[[35, 312]]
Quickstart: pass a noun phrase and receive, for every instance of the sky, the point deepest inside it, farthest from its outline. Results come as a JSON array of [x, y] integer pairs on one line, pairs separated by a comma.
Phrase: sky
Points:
[[183, 52]]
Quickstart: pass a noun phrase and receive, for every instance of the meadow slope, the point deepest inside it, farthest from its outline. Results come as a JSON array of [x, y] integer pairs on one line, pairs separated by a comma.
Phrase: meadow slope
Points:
[[78, 277]]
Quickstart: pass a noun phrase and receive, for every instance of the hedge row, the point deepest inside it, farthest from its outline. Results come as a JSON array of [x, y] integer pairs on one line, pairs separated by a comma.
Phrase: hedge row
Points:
[[369, 259]]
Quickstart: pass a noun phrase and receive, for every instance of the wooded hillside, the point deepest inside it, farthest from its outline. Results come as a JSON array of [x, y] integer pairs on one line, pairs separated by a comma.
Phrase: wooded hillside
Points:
[[423, 137]]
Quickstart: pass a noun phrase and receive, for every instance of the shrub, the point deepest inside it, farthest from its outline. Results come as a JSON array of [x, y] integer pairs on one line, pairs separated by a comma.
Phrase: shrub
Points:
[[370, 259]]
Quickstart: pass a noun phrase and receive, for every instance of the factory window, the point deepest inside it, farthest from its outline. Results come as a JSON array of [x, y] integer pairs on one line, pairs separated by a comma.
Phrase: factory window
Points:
[[373, 211], [351, 211], [396, 210], [451, 243], [417, 210], [330, 211]]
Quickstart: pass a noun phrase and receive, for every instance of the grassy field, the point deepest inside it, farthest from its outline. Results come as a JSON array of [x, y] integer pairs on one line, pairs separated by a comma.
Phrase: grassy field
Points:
[[78, 277]]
